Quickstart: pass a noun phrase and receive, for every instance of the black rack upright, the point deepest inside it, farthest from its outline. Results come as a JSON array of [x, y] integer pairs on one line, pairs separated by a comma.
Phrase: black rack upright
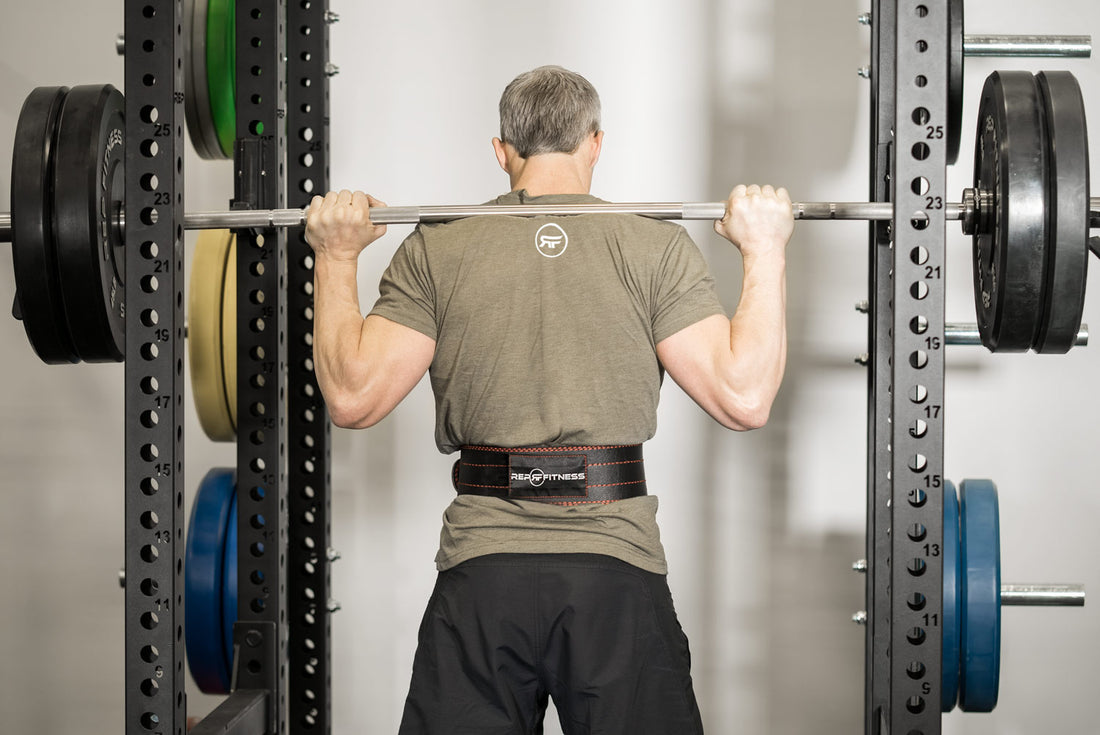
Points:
[[309, 500], [154, 489], [905, 408], [260, 634]]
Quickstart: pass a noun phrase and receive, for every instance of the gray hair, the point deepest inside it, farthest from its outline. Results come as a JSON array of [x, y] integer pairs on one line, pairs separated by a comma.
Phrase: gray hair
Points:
[[548, 110]]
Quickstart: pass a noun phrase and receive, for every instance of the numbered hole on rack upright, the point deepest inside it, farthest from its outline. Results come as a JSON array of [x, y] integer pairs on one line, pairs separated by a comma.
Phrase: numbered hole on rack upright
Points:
[[917, 499]]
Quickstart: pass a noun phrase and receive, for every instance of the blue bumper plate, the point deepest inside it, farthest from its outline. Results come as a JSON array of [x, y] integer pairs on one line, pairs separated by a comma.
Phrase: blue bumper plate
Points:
[[952, 597], [980, 570], [205, 579]]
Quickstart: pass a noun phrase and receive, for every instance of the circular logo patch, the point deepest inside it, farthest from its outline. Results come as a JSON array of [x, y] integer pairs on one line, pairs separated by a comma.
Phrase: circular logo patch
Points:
[[551, 240]]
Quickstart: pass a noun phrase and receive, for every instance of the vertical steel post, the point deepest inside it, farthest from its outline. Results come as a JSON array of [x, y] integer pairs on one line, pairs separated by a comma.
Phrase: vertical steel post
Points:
[[260, 634], [154, 508], [879, 375], [905, 407], [309, 482]]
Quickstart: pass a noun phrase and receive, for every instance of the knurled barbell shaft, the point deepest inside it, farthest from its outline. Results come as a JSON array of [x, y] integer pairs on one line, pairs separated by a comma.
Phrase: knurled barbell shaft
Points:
[[1043, 595], [264, 218], [1079, 47]]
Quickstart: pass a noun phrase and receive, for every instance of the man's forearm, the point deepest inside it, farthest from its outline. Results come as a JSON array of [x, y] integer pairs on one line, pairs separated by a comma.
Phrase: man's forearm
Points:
[[758, 329], [337, 325]]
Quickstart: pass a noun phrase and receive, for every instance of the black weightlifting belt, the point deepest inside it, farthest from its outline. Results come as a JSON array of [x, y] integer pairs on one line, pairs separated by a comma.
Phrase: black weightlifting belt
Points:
[[558, 475]]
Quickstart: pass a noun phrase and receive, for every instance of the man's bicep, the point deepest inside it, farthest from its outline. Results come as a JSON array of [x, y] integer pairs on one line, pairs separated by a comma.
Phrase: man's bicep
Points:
[[692, 355], [402, 353], [697, 357], [394, 358]]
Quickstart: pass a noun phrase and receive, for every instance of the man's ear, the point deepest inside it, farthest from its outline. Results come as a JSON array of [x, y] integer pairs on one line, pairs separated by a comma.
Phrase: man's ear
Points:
[[501, 153], [596, 144]]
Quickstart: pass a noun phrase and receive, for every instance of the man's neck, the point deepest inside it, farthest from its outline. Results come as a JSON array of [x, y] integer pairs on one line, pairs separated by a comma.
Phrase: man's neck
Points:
[[552, 173]]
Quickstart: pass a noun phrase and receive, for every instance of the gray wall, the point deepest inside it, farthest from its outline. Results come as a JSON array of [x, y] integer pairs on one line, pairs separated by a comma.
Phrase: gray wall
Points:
[[760, 529]]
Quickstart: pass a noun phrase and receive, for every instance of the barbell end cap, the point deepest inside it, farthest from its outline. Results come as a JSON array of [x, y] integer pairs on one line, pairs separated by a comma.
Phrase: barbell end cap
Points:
[[864, 19], [331, 69], [864, 72], [331, 17], [863, 307], [860, 618], [120, 44], [333, 606], [860, 565]]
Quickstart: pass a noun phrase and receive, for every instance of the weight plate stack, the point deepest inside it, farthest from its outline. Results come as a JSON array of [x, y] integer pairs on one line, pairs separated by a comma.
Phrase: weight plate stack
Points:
[[38, 301], [212, 333], [952, 597], [88, 190], [1067, 211], [1010, 162], [207, 560], [980, 602]]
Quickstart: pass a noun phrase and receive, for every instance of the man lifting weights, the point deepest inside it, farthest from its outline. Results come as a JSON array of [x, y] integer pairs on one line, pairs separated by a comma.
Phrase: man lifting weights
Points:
[[546, 339]]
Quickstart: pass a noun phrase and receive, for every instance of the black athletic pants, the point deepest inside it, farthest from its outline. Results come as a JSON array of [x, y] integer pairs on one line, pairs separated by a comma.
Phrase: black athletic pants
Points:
[[502, 633]]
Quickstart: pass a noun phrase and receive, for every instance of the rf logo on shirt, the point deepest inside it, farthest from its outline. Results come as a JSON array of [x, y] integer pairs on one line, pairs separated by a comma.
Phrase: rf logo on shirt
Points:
[[551, 240]]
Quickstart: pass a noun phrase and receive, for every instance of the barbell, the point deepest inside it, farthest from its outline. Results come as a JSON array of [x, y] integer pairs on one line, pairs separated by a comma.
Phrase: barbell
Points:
[[1029, 213], [966, 211]]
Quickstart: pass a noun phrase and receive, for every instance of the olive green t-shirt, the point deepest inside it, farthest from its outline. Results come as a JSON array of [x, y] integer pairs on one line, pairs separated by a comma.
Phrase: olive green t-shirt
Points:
[[546, 331]]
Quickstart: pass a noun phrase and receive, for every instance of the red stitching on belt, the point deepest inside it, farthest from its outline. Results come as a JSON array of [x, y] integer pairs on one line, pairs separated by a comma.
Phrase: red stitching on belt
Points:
[[616, 484], [585, 502], [607, 464], [491, 487], [547, 450]]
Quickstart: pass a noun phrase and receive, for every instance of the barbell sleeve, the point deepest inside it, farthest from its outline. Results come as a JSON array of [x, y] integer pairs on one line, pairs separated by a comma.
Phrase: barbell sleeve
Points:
[[968, 335], [1068, 47], [1043, 595]]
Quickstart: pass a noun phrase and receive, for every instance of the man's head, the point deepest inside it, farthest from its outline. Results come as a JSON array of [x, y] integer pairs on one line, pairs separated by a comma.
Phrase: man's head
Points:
[[550, 135], [548, 110]]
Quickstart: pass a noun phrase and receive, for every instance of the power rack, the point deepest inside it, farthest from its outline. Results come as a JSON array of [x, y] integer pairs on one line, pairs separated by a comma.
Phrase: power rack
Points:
[[281, 661], [281, 639]]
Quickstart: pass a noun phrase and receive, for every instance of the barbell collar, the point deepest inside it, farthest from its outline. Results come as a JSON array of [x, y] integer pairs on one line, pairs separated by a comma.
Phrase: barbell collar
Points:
[[1066, 47], [1043, 595]]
